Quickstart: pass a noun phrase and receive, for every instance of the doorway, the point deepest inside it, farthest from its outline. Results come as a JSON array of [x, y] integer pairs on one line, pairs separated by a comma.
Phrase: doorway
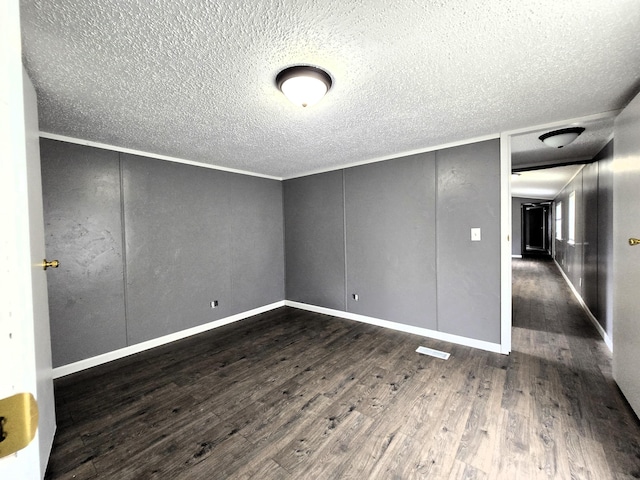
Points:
[[536, 229]]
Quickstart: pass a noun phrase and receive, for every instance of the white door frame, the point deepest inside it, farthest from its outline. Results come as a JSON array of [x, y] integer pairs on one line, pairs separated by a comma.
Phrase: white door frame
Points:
[[505, 172], [21, 280], [506, 320]]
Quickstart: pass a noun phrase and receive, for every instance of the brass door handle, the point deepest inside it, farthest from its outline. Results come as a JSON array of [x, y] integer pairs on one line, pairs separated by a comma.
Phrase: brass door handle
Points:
[[634, 241], [51, 264]]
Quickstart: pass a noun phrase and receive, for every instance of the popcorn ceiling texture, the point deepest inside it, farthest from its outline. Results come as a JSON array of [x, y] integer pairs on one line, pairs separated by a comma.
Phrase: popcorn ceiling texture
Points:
[[194, 79], [528, 151]]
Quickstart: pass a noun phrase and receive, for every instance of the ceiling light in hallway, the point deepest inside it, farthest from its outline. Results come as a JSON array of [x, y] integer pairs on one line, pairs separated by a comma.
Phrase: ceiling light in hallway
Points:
[[561, 138]]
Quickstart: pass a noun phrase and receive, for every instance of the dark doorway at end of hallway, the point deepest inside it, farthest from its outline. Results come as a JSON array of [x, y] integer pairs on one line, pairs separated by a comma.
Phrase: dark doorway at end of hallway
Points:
[[536, 229]]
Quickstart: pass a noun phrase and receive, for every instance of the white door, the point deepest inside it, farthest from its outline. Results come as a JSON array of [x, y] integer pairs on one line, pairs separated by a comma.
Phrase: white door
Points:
[[25, 348], [626, 258]]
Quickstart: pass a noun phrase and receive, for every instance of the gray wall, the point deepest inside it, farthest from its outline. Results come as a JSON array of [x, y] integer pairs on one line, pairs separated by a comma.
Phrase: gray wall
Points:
[[587, 263], [145, 245], [192, 235], [469, 272], [589, 214], [314, 240], [391, 242], [409, 255], [516, 222], [83, 229], [604, 309]]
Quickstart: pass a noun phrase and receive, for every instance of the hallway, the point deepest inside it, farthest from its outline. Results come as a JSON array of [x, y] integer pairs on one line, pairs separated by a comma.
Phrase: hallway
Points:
[[294, 394], [578, 411]]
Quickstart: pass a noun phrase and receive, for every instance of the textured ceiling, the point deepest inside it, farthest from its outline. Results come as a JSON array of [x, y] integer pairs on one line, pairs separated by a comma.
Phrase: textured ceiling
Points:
[[194, 79], [528, 151]]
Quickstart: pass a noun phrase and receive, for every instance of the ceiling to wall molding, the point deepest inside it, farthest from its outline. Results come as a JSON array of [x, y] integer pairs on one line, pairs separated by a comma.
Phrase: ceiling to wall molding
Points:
[[544, 184], [195, 79]]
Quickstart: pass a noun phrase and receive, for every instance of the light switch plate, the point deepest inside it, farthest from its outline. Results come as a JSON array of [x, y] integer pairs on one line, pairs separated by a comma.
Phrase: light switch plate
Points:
[[475, 235]]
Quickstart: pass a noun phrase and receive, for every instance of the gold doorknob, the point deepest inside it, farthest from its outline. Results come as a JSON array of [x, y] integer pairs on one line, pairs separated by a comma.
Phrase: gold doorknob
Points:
[[18, 422], [634, 241], [51, 264]]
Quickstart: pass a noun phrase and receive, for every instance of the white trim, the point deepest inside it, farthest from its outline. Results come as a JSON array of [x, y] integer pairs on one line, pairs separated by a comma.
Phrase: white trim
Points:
[[516, 256], [570, 180], [397, 155], [506, 320], [423, 332], [562, 123], [607, 340], [571, 220], [609, 138], [79, 141], [104, 146], [506, 307], [156, 342]]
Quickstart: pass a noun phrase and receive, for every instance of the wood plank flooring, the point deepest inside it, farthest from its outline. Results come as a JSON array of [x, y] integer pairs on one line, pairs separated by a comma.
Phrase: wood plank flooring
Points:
[[296, 395]]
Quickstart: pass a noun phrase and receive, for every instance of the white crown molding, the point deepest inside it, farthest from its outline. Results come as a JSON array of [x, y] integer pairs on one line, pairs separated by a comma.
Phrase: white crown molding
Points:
[[397, 155], [610, 137], [559, 123], [104, 146], [570, 180], [564, 123]]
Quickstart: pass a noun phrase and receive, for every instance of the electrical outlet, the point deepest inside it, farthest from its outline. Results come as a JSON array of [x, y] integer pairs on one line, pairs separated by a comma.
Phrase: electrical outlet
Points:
[[356, 297], [476, 235], [214, 304]]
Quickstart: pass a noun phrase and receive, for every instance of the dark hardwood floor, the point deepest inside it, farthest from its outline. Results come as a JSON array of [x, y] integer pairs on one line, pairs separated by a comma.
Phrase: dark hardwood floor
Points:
[[296, 395]]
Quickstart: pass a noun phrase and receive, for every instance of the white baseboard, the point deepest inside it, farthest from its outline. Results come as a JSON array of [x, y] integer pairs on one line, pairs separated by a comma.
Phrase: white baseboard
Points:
[[516, 256], [607, 339], [156, 342], [424, 332]]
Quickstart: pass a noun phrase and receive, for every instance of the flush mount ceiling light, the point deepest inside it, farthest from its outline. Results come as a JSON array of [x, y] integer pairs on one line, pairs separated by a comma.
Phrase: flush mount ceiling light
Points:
[[303, 85], [561, 138]]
